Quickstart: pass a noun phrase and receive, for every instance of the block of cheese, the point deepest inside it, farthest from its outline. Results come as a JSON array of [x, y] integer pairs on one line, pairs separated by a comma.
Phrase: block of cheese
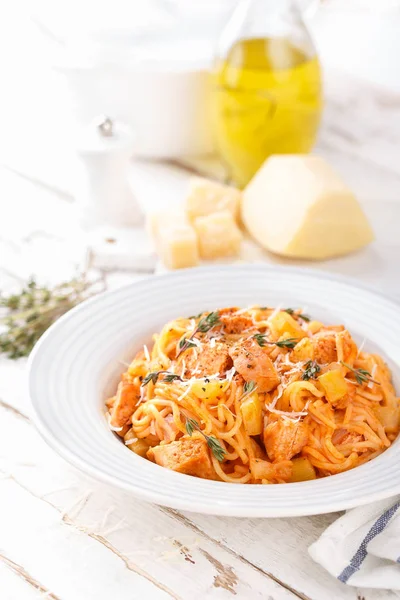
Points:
[[296, 205], [206, 197], [175, 240], [218, 235], [157, 221]]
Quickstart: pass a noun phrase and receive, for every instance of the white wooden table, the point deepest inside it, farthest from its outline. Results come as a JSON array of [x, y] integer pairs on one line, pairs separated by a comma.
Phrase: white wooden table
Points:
[[66, 537]]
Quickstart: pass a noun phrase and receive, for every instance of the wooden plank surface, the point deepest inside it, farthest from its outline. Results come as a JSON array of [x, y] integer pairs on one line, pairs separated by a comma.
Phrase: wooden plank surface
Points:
[[66, 537]]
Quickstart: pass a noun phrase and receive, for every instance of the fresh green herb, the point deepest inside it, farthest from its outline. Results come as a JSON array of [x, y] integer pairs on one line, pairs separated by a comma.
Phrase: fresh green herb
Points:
[[249, 386], [215, 447], [212, 442], [291, 311], [187, 343], [154, 375], [261, 340], [204, 325], [362, 376], [171, 377], [311, 370], [287, 343], [263, 307], [196, 316], [191, 425], [30, 312]]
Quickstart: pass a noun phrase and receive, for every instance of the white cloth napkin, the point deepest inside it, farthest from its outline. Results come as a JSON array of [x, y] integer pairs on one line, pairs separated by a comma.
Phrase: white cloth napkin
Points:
[[362, 548]]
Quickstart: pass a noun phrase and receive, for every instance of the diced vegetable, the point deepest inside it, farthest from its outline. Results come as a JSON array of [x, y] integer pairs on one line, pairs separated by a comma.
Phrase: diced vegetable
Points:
[[389, 417], [261, 469], [315, 326], [251, 409], [138, 446], [258, 451], [302, 470], [283, 323], [209, 389], [304, 350], [334, 385]]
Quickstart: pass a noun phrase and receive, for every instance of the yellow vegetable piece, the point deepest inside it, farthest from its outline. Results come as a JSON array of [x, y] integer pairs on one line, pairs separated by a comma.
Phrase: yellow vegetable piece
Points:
[[283, 323], [251, 409], [302, 470], [209, 389], [138, 446], [389, 417], [334, 385], [304, 350], [261, 469]]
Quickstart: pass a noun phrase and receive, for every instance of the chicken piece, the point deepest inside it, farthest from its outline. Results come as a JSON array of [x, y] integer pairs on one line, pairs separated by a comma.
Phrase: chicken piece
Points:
[[324, 348], [235, 323], [284, 438], [191, 457], [110, 402], [205, 360], [253, 363], [347, 346], [342, 436], [124, 405]]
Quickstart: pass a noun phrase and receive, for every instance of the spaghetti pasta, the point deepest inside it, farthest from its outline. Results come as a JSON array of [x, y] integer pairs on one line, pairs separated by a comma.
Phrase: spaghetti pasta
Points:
[[255, 395]]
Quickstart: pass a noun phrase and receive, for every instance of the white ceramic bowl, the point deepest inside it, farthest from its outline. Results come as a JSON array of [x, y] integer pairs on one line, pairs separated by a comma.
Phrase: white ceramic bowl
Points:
[[75, 367]]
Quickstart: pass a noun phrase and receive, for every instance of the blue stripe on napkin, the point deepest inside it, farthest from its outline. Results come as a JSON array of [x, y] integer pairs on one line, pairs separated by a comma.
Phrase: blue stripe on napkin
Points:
[[361, 553]]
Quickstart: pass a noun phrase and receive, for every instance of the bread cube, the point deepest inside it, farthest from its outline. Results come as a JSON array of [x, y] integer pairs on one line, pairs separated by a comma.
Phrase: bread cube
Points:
[[218, 235]]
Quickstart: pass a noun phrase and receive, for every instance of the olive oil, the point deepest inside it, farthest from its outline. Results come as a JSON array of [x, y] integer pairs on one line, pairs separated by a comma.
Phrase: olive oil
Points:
[[266, 100]]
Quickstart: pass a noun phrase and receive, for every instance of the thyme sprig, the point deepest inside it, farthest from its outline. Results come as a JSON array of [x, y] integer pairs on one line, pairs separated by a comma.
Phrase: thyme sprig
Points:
[[205, 324], [311, 371], [262, 340], [249, 387], [362, 375], [31, 311], [293, 312], [212, 442], [154, 375]]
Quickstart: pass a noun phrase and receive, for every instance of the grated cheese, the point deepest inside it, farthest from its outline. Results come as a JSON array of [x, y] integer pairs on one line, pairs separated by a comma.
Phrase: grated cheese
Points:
[[361, 346], [108, 417], [272, 404], [274, 313], [146, 353], [373, 371], [288, 414], [196, 342], [185, 393], [183, 368], [229, 374], [131, 441], [122, 362]]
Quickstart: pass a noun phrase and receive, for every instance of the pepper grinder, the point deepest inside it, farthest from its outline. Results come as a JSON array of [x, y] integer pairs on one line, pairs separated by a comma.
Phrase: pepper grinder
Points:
[[103, 193], [108, 209]]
